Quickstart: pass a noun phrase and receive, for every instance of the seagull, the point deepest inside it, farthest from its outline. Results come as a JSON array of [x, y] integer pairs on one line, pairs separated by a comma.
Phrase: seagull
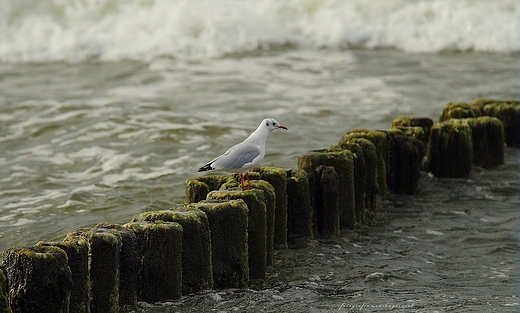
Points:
[[246, 154]]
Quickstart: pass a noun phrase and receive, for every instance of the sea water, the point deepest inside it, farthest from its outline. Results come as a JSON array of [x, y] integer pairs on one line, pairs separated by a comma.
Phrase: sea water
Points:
[[108, 106]]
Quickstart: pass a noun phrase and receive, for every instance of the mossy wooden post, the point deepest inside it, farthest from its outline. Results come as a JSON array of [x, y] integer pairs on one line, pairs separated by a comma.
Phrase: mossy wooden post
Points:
[[343, 163], [39, 279], [228, 224], [234, 181], [77, 259], [405, 154], [270, 208], [371, 179], [197, 272], [197, 188], [488, 141], [509, 113], [257, 226], [128, 263], [360, 173], [450, 152], [277, 177], [408, 124], [327, 200], [487, 135], [378, 138], [414, 132], [459, 110], [159, 246], [104, 247], [4, 292], [299, 208]]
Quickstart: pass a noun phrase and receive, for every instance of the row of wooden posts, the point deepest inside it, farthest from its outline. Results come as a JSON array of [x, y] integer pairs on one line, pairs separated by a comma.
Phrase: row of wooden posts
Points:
[[224, 237]]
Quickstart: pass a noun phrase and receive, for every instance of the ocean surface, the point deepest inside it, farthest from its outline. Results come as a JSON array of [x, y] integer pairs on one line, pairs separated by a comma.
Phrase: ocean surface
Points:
[[108, 106]]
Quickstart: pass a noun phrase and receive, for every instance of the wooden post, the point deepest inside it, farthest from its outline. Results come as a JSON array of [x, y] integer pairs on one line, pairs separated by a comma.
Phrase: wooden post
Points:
[[104, 247], [197, 274], [277, 177], [128, 263], [77, 260], [450, 153], [378, 138], [327, 200], [299, 208], [39, 279], [257, 228], [159, 246], [228, 222], [343, 163], [405, 155]]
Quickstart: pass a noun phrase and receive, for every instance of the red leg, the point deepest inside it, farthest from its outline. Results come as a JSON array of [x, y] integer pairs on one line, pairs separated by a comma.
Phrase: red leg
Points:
[[242, 180], [248, 181]]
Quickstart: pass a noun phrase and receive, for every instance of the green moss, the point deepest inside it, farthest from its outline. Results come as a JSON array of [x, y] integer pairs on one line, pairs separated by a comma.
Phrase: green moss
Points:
[[197, 188], [415, 132], [481, 102], [234, 181], [460, 110], [425, 123], [228, 221]]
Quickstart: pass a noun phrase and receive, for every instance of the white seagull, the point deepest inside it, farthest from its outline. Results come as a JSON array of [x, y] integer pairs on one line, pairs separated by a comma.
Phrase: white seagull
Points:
[[246, 154]]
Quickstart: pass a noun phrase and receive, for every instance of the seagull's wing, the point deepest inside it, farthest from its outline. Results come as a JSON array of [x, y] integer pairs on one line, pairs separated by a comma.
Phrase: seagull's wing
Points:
[[238, 156]]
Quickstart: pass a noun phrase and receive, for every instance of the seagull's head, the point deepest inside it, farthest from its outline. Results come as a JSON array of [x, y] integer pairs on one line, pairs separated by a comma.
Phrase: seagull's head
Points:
[[271, 124]]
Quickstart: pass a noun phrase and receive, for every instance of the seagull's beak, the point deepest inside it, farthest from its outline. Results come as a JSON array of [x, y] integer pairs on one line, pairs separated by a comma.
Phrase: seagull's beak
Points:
[[282, 127]]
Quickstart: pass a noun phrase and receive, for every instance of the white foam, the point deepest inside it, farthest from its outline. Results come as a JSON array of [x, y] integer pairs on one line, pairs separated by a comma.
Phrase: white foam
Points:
[[52, 30], [22, 222], [434, 232]]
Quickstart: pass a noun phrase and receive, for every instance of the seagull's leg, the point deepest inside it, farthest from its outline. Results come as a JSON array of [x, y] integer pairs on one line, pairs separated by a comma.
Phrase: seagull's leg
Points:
[[242, 181], [248, 181]]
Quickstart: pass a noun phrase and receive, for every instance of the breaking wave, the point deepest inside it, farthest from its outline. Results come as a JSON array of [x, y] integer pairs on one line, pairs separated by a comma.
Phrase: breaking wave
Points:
[[112, 30]]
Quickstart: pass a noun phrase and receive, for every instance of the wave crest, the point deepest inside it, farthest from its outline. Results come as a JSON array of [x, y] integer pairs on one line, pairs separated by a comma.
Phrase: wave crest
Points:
[[111, 30]]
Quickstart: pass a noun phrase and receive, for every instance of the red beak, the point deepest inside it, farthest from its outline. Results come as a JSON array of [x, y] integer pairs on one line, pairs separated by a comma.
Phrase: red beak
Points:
[[283, 127]]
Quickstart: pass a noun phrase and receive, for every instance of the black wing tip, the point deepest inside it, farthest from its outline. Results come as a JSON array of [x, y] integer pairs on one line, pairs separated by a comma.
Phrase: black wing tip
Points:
[[206, 167]]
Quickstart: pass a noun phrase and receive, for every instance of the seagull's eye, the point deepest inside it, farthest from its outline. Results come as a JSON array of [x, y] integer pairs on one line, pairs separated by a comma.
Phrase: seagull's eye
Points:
[[266, 123]]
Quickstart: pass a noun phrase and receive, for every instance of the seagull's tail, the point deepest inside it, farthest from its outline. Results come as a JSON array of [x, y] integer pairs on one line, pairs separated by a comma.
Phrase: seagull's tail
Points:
[[206, 167]]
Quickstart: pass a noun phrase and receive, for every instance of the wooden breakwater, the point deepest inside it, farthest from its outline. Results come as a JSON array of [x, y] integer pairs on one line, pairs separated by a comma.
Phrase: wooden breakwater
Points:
[[224, 237]]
